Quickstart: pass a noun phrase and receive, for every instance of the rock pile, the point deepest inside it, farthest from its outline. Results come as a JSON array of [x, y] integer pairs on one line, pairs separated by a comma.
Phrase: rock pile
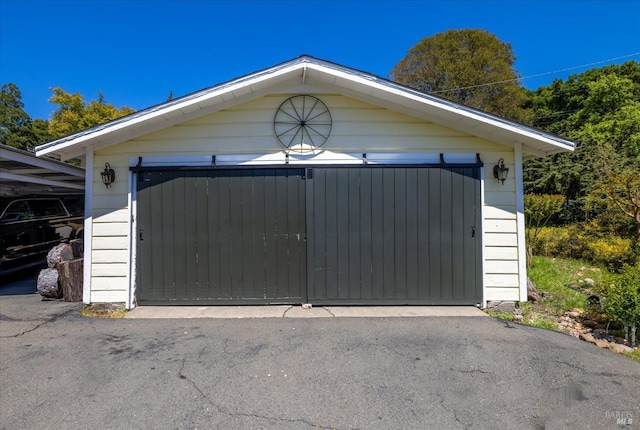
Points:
[[578, 325], [63, 277]]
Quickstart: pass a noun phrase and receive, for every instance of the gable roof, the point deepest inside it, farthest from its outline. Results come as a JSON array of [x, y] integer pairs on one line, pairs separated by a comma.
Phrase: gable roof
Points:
[[310, 70]]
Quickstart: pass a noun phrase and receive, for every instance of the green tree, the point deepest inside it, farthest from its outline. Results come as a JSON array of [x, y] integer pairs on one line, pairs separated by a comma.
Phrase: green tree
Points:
[[600, 110], [74, 114], [472, 67], [560, 107], [611, 115], [40, 130], [538, 210], [16, 126], [621, 192]]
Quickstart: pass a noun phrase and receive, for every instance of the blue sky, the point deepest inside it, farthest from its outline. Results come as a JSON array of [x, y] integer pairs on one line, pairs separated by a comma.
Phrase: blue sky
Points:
[[136, 51]]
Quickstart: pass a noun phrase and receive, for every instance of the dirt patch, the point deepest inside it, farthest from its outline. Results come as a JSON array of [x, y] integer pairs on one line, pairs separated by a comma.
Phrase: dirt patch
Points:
[[104, 311]]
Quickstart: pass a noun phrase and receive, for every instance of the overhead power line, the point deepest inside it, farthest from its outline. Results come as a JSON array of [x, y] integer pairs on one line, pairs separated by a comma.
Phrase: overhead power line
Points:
[[540, 74]]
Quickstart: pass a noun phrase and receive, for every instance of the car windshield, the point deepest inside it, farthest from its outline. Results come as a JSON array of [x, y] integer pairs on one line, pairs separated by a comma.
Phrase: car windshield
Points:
[[20, 210], [16, 211], [45, 208]]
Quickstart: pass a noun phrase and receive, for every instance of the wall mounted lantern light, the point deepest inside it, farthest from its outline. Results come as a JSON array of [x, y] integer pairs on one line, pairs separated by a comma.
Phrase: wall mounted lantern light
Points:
[[108, 175], [500, 172]]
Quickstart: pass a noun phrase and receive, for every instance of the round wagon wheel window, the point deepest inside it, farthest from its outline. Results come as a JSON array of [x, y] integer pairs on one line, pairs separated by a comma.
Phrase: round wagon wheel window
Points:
[[302, 123]]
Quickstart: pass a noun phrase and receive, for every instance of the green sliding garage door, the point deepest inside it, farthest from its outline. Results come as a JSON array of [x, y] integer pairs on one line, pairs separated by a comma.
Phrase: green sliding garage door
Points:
[[394, 235], [326, 235], [220, 236]]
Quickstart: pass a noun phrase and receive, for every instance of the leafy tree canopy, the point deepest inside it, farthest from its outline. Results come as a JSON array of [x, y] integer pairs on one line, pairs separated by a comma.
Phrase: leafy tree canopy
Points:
[[600, 110], [621, 189], [471, 67], [17, 129], [74, 114]]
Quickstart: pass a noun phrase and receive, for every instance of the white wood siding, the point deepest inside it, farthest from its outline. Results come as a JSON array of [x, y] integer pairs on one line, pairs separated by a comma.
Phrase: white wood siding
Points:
[[110, 238], [248, 128], [501, 263]]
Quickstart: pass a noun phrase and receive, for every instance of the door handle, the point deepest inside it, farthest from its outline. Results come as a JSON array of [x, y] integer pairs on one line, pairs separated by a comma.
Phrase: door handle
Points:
[[140, 234], [473, 231]]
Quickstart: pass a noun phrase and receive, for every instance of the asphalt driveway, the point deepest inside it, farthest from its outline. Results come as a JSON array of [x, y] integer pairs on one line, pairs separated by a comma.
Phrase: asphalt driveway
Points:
[[60, 370]]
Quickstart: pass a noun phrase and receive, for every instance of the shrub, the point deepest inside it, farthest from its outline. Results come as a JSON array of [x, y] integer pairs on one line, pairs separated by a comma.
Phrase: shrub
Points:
[[621, 301], [584, 241], [613, 252], [558, 242]]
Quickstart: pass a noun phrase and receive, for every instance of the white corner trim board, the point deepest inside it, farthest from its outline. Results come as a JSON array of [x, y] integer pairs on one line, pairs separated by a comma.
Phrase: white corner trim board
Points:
[[522, 246], [88, 227], [483, 237], [131, 263]]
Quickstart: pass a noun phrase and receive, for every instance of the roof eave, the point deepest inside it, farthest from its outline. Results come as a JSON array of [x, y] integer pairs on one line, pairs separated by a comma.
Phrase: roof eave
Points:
[[353, 82], [453, 113], [174, 111]]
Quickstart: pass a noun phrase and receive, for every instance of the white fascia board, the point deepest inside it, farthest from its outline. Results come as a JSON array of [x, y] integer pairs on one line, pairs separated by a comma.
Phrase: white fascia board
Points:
[[357, 83], [172, 113], [95, 137], [514, 134], [453, 113]]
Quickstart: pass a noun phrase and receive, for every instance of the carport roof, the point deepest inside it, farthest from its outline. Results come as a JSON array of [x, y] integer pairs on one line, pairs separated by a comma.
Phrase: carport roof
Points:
[[22, 173], [298, 72]]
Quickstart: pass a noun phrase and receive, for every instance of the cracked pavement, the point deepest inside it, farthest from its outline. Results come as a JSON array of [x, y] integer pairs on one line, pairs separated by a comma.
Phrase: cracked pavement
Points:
[[74, 372], [21, 314]]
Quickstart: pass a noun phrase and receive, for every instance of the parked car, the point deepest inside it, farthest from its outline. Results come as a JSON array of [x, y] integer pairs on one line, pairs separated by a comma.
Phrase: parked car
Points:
[[31, 226]]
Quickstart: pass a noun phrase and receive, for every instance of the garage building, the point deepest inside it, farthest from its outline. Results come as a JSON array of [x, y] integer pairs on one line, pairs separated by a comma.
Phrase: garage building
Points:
[[305, 182]]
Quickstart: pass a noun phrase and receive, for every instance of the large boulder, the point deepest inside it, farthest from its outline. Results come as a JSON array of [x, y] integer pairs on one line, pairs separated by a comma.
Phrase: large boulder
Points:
[[64, 275], [61, 252], [48, 284]]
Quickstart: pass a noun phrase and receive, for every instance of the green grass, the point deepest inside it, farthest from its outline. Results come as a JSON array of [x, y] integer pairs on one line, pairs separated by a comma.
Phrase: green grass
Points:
[[635, 354], [500, 315], [541, 322], [553, 276]]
